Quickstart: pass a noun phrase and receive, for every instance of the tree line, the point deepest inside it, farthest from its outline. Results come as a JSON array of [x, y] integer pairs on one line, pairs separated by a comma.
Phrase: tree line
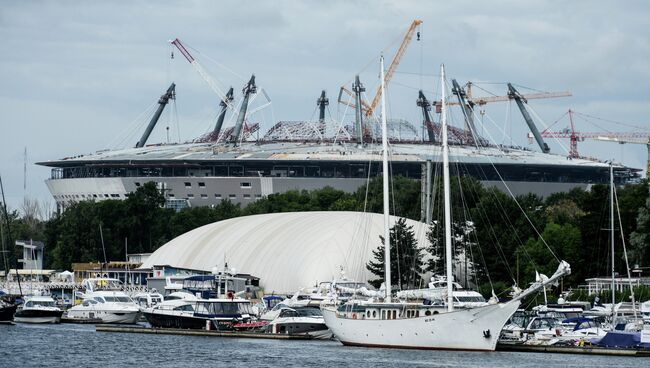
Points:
[[502, 240]]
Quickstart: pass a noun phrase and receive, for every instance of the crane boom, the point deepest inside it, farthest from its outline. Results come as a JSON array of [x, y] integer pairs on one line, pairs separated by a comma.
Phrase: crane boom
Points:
[[199, 69], [393, 65], [530, 96], [619, 137]]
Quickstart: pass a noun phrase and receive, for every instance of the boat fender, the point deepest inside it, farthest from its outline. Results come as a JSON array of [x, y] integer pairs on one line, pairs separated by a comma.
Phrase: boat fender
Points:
[[354, 316]]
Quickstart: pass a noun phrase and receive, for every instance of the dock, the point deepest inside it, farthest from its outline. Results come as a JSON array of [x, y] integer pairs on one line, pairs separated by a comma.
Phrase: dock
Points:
[[174, 331], [589, 350]]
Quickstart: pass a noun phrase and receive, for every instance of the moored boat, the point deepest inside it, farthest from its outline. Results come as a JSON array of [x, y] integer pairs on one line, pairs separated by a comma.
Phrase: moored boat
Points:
[[38, 309]]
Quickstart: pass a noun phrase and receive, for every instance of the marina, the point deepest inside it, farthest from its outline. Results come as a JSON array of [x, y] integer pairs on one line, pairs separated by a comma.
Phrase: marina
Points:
[[49, 343], [428, 212]]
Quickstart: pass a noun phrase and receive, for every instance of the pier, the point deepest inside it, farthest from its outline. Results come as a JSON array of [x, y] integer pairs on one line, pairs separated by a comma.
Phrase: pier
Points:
[[173, 331], [588, 350]]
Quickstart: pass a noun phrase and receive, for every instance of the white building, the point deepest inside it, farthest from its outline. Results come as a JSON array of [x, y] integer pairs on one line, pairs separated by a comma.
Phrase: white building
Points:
[[287, 251]]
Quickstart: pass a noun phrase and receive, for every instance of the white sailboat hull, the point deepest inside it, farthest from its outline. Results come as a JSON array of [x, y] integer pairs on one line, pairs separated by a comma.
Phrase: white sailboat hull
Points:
[[463, 329]]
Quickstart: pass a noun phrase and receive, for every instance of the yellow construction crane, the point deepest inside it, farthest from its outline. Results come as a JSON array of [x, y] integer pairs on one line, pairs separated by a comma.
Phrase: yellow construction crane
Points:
[[368, 109], [488, 99]]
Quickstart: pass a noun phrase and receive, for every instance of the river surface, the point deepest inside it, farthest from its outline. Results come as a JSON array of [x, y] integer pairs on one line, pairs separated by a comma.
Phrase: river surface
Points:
[[67, 345]]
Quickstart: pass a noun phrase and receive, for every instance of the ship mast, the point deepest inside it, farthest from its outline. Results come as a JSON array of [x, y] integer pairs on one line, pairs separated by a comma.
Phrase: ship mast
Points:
[[384, 145], [445, 175], [611, 222]]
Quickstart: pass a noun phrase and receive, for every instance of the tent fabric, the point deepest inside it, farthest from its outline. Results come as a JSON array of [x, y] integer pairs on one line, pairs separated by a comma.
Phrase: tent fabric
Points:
[[288, 251], [622, 339]]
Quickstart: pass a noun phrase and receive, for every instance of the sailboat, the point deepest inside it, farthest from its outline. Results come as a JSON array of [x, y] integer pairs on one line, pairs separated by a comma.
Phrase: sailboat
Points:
[[400, 324]]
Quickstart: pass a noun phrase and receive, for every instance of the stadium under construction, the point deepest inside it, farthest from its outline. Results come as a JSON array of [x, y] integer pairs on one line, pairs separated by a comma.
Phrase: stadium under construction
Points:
[[236, 164]]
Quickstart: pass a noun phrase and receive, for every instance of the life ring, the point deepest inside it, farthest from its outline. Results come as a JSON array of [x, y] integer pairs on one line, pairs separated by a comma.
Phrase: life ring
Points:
[[354, 316]]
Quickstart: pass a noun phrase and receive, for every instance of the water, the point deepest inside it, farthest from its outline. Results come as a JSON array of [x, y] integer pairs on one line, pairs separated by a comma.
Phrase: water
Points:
[[80, 346]]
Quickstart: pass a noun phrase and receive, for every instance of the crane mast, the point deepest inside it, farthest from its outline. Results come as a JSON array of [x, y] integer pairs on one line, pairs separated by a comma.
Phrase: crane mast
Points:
[[222, 114], [322, 103], [425, 105], [520, 100], [162, 102], [466, 106], [249, 89]]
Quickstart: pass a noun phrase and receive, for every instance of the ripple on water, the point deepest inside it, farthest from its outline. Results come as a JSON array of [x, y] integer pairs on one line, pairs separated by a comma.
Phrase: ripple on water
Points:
[[80, 346]]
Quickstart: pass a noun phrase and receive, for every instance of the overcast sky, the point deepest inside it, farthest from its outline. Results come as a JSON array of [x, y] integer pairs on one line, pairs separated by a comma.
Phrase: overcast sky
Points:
[[76, 76]]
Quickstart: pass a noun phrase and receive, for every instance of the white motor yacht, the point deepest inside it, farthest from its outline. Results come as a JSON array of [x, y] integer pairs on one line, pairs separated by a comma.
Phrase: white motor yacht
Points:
[[105, 300], [38, 309], [300, 321]]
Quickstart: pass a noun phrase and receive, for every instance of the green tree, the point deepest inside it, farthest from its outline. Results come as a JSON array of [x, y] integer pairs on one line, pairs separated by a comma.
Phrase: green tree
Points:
[[406, 258], [564, 240], [640, 237]]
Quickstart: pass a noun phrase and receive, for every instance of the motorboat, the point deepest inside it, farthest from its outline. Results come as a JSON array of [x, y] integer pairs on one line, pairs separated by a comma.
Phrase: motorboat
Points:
[[196, 313], [38, 309], [105, 300], [300, 321], [294, 302], [7, 311]]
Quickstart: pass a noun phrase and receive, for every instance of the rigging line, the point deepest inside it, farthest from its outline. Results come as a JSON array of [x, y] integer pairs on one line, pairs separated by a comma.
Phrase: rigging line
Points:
[[611, 121], [503, 215], [506, 219], [420, 74], [133, 126], [484, 90], [627, 263], [546, 128], [582, 118], [522, 210], [529, 88], [242, 78], [497, 244], [392, 83], [178, 125], [557, 120]]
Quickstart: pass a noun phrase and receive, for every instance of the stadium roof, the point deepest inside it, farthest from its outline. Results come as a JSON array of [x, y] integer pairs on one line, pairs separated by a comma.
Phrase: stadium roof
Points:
[[288, 251], [312, 151]]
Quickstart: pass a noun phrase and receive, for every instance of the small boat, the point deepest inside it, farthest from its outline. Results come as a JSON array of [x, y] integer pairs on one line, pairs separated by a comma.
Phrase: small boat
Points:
[[38, 309], [300, 321], [7, 311]]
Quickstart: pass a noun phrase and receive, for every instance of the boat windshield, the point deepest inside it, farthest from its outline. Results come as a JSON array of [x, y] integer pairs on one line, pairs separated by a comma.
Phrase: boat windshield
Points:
[[118, 299], [301, 312], [39, 303], [470, 299], [223, 308]]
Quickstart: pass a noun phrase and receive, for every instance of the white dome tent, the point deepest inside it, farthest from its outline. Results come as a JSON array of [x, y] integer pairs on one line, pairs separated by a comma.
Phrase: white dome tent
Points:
[[288, 251]]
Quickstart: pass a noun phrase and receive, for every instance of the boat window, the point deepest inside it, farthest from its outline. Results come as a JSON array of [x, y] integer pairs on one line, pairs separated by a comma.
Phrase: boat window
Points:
[[29, 304], [99, 299], [309, 312], [288, 313], [43, 303], [118, 299], [185, 307]]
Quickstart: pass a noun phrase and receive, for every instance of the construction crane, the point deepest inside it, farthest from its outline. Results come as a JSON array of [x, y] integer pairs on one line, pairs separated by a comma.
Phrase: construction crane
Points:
[[199, 69], [472, 101], [368, 109], [575, 136]]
